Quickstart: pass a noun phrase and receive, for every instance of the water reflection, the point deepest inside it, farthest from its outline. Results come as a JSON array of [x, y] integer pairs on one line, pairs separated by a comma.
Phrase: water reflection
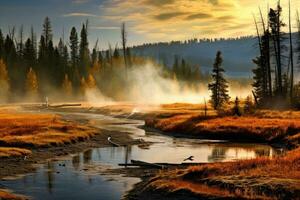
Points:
[[50, 175], [87, 156], [217, 154], [76, 161]]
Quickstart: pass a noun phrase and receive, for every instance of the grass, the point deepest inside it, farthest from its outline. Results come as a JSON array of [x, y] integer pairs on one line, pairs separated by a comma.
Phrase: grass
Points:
[[262, 126], [20, 131], [260, 178]]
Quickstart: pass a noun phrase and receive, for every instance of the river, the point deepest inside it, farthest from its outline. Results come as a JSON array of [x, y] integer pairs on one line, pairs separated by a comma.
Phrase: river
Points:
[[82, 176]]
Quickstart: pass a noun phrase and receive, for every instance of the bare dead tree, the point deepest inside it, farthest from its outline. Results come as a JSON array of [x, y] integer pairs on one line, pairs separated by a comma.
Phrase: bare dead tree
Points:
[[124, 41], [291, 54], [266, 51]]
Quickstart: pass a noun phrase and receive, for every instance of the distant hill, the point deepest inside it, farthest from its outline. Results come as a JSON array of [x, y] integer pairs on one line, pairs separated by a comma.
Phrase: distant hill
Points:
[[237, 53]]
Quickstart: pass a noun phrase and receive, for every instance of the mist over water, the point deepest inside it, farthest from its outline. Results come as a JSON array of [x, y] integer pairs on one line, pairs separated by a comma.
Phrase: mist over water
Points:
[[149, 84]]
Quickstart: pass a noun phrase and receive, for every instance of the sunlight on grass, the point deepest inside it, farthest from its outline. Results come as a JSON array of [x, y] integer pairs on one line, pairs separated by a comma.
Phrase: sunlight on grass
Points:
[[40, 130]]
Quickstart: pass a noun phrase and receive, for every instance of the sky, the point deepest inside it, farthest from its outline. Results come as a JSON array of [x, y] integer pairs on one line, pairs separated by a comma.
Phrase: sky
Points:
[[146, 20]]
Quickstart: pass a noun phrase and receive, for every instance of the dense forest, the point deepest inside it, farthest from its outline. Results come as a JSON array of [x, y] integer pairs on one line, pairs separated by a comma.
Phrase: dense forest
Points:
[[38, 69]]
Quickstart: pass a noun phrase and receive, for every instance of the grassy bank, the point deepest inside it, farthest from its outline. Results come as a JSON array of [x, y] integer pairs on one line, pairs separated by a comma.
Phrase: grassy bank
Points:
[[260, 178], [22, 131], [262, 126]]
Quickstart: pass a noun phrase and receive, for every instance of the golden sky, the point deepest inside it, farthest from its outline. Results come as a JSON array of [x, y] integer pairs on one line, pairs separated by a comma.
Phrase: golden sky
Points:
[[182, 19], [146, 20]]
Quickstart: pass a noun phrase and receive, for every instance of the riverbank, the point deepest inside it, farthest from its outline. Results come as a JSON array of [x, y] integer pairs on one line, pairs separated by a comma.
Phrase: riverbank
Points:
[[30, 139], [261, 178], [279, 128]]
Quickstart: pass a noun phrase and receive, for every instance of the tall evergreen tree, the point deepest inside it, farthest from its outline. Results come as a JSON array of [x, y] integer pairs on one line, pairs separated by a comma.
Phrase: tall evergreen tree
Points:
[[47, 31], [74, 54], [219, 86], [258, 84], [29, 54], [84, 54]]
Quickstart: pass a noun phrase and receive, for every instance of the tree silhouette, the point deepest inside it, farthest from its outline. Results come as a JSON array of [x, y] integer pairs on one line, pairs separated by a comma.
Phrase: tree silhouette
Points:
[[218, 87]]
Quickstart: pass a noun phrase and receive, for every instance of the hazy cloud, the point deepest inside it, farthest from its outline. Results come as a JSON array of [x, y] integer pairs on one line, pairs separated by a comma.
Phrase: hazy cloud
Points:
[[79, 14], [199, 16], [159, 2], [167, 16], [214, 2]]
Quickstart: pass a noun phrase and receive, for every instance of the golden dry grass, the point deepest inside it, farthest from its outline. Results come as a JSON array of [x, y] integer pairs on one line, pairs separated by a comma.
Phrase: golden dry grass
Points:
[[39, 130], [257, 178], [265, 126], [7, 195]]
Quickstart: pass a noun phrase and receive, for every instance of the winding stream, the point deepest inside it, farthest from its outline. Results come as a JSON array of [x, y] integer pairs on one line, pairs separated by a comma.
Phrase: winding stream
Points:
[[82, 176]]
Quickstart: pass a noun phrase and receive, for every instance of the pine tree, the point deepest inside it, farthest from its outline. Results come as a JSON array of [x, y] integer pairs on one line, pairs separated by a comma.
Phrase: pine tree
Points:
[[84, 54], [47, 31], [10, 58], [29, 54], [218, 87], [258, 84]]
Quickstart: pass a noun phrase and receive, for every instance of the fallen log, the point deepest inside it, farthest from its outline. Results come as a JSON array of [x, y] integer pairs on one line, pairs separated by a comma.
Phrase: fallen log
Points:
[[158, 165], [146, 164]]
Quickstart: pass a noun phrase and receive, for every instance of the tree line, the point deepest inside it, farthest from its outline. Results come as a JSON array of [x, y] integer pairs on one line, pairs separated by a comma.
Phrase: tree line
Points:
[[274, 76], [37, 68]]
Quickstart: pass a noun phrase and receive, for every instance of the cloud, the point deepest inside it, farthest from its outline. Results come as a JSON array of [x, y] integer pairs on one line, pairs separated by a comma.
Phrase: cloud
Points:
[[79, 14], [199, 16], [165, 20], [159, 2], [213, 2], [167, 16]]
